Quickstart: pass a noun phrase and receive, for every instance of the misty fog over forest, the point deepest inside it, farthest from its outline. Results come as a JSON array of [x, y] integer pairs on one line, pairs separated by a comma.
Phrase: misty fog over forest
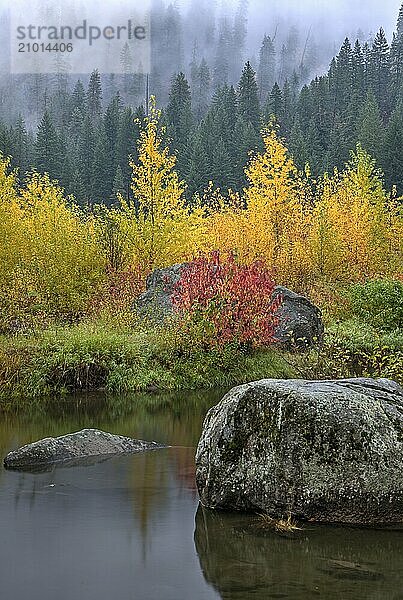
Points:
[[328, 74], [225, 33]]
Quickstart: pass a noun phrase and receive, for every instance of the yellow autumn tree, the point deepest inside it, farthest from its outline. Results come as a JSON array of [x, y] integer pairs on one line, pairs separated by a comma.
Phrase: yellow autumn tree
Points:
[[325, 246], [62, 265], [362, 197], [9, 216], [349, 236], [47, 248], [224, 221], [10, 232], [276, 218], [394, 261], [159, 225]]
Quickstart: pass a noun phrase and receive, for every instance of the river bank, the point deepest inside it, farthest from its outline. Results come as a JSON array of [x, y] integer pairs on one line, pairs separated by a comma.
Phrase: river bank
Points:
[[119, 359]]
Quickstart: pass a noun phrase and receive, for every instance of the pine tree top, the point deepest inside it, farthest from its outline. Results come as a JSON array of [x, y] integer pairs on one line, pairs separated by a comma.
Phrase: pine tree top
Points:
[[380, 42]]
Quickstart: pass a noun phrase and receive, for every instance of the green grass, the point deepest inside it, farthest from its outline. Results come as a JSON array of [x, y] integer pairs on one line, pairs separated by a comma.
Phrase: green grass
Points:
[[355, 349], [122, 359], [90, 357]]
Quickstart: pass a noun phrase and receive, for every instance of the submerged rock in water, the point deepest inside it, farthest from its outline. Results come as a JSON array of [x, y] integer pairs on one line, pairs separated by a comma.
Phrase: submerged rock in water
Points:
[[72, 447], [299, 326], [328, 451], [47, 467]]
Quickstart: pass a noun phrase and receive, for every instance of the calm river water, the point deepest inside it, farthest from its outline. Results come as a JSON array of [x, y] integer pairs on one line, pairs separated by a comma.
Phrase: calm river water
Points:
[[131, 527]]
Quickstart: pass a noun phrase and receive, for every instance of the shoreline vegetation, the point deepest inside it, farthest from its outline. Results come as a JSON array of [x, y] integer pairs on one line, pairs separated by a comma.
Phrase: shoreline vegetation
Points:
[[69, 277], [96, 356]]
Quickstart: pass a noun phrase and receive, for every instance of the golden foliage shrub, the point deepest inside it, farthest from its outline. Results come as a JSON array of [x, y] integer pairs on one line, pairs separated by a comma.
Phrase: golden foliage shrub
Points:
[[50, 263], [344, 229], [56, 261]]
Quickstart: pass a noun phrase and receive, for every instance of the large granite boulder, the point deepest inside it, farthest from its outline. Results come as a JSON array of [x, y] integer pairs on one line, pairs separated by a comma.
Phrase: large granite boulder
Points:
[[326, 451], [300, 322], [155, 303], [73, 447]]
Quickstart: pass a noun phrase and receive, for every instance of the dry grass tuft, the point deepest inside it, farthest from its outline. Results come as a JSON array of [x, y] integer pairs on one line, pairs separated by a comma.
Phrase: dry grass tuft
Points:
[[278, 525]]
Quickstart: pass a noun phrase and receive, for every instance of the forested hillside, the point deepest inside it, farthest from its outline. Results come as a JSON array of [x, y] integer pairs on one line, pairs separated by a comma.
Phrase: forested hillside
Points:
[[86, 133]]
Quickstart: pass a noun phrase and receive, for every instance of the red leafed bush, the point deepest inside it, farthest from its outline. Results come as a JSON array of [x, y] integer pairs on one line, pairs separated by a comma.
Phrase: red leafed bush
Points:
[[229, 302]]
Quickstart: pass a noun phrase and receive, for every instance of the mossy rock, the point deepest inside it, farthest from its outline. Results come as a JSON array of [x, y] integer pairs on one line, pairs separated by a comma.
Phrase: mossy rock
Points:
[[326, 451]]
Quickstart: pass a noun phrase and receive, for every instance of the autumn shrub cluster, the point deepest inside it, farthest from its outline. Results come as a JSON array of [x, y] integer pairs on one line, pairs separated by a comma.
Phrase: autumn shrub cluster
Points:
[[342, 228], [59, 261], [222, 302], [50, 263]]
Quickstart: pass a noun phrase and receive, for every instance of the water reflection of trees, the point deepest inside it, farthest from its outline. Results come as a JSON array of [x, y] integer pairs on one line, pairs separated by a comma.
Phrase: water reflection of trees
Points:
[[140, 490], [241, 561], [156, 480], [172, 418], [176, 417]]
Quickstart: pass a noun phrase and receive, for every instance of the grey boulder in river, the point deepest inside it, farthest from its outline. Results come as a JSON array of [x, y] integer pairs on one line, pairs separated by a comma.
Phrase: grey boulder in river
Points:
[[326, 451], [74, 447]]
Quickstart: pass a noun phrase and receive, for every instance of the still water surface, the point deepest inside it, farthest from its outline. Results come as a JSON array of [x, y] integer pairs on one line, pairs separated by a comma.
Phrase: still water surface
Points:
[[131, 527]]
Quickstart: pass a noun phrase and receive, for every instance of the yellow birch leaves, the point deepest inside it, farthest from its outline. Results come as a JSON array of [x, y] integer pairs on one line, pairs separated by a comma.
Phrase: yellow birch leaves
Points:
[[160, 225], [53, 257]]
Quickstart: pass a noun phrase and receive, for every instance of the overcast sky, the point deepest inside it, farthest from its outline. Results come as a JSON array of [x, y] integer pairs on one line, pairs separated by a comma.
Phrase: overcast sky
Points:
[[343, 14]]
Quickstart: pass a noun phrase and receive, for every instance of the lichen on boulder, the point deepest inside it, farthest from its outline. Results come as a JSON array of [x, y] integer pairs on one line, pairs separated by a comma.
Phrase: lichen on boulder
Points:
[[326, 451], [156, 303]]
